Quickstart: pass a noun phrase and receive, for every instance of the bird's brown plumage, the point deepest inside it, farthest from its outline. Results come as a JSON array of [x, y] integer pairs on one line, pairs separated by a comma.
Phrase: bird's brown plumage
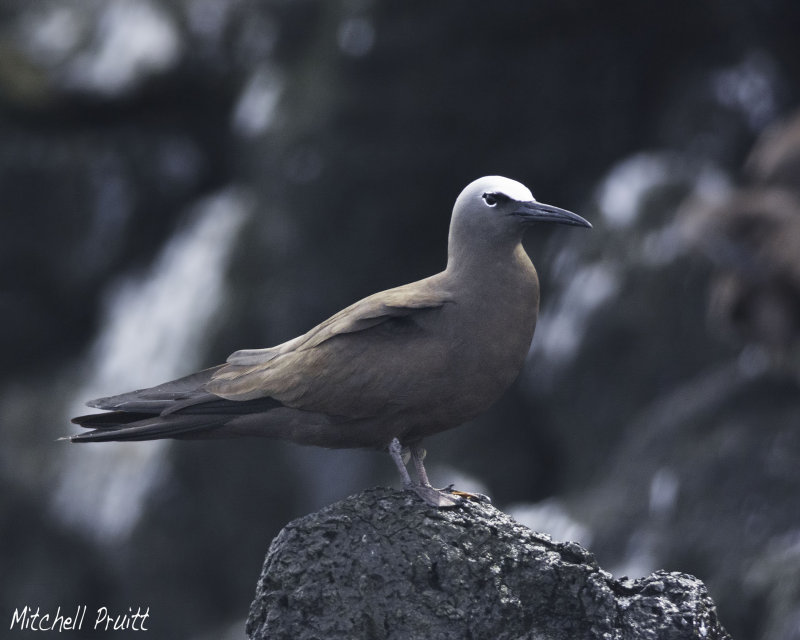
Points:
[[400, 364]]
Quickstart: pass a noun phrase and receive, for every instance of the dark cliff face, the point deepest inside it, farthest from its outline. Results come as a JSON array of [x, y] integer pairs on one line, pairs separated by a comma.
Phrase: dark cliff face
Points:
[[714, 458], [183, 179]]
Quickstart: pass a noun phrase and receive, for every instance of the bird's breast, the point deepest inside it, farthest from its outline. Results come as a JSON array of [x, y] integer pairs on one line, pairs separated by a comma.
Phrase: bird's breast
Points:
[[490, 332], [497, 334]]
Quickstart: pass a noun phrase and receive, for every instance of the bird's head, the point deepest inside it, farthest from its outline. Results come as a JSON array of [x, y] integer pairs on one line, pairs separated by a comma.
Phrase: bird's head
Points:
[[496, 202], [493, 212]]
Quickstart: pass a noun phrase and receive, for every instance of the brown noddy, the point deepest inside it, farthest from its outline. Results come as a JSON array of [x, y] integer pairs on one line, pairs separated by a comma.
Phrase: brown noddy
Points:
[[383, 373]]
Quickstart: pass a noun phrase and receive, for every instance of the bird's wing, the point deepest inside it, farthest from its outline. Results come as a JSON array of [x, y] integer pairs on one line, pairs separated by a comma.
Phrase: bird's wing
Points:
[[188, 389], [316, 372], [366, 313]]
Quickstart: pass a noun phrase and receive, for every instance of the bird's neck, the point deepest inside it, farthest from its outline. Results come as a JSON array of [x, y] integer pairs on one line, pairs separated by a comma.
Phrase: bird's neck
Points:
[[497, 299], [494, 270], [503, 283]]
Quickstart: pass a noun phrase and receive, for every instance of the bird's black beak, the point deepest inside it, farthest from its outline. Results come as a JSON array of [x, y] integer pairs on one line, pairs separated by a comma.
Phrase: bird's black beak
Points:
[[539, 212]]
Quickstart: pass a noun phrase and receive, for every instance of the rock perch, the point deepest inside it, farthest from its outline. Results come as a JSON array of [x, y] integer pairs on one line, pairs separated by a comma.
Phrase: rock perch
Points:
[[384, 565]]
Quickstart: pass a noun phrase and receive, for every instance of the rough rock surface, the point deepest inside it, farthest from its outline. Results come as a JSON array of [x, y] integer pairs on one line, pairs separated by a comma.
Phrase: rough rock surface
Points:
[[381, 564]]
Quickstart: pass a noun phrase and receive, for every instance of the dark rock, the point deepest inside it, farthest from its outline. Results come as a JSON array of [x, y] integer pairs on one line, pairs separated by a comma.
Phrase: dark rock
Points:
[[381, 564]]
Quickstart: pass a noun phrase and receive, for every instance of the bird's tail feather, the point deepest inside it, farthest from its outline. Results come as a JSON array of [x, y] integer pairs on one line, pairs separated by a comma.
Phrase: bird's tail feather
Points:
[[110, 420], [201, 416], [121, 426]]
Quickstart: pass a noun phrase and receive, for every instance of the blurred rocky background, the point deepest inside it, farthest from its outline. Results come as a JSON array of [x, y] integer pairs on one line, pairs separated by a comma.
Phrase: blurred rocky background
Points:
[[183, 178]]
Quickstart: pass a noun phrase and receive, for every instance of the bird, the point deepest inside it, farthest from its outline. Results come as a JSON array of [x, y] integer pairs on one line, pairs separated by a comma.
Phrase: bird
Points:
[[384, 373]]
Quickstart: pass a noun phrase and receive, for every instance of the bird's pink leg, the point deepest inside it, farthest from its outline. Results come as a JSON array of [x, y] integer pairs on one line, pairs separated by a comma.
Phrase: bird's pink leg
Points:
[[418, 455], [396, 451]]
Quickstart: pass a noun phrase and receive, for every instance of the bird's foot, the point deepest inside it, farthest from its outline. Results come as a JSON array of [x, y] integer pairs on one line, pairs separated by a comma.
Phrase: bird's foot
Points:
[[447, 497], [439, 498], [475, 497]]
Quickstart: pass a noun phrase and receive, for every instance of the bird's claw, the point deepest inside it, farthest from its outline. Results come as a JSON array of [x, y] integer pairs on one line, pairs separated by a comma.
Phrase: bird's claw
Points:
[[439, 498], [475, 497], [447, 497]]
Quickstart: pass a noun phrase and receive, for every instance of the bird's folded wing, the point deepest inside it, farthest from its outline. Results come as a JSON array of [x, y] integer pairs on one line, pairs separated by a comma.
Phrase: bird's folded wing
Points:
[[156, 399], [296, 371]]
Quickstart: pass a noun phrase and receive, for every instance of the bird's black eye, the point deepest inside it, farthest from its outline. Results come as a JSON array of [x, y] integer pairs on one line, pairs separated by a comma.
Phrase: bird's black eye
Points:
[[490, 198]]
